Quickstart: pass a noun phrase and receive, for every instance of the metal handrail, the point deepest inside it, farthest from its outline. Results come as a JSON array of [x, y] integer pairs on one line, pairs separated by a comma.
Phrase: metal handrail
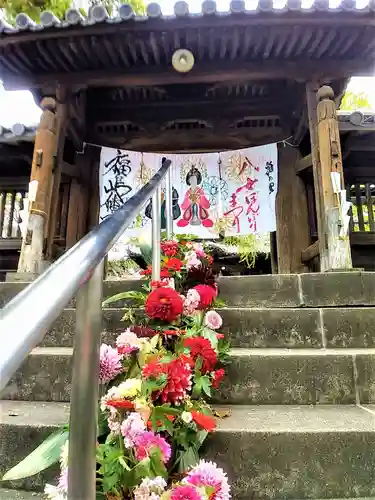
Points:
[[25, 320]]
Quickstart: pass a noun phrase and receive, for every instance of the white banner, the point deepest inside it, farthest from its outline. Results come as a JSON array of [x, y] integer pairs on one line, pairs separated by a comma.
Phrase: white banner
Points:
[[232, 192]]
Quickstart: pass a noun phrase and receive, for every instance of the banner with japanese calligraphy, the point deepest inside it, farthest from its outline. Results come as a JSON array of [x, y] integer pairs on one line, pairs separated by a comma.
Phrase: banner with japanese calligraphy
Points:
[[231, 192]]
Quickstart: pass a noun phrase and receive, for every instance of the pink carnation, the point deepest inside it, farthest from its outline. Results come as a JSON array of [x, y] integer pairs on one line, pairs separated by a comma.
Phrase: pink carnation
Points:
[[146, 441], [209, 474], [185, 492], [127, 342], [110, 363], [198, 248], [191, 301], [213, 320], [131, 428], [192, 260]]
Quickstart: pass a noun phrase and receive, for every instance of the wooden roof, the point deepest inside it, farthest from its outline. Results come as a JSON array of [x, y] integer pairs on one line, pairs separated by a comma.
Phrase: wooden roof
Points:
[[247, 86]]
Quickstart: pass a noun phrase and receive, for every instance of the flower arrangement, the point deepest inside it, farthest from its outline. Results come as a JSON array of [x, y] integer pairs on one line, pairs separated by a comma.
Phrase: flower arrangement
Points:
[[153, 414]]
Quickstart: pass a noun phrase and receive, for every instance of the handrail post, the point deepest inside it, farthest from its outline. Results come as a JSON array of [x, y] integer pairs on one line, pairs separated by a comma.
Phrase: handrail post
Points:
[[168, 203], [85, 389], [156, 219]]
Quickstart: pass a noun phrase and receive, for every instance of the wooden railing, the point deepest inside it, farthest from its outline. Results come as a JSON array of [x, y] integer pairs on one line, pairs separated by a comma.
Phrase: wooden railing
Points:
[[12, 194], [362, 223]]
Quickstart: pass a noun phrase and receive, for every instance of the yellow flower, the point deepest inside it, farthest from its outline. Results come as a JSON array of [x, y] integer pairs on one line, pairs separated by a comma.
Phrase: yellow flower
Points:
[[130, 388]]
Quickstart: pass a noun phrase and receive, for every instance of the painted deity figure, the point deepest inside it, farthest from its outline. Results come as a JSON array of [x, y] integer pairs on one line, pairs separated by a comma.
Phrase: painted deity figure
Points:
[[195, 205]]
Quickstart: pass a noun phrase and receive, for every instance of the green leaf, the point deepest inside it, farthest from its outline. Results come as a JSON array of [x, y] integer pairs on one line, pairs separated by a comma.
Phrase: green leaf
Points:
[[209, 334], [187, 459], [47, 454], [138, 296], [156, 463], [206, 385], [123, 463]]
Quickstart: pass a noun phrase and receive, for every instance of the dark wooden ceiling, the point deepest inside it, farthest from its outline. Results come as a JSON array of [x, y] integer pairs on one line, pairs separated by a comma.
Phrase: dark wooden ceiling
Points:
[[247, 86]]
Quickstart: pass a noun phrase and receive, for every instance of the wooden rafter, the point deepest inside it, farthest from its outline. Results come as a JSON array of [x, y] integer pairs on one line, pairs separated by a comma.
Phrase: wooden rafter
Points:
[[201, 73]]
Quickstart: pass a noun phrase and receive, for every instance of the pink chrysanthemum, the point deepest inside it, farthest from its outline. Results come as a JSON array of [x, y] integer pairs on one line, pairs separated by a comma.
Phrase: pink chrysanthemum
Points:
[[146, 441], [131, 428], [63, 480], [209, 474], [110, 363], [185, 492]]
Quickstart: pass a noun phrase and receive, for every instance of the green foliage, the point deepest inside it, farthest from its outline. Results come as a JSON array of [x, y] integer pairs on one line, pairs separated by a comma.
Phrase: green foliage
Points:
[[247, 248], [121, 268], [47, 454], [351, 101], [34, 8]]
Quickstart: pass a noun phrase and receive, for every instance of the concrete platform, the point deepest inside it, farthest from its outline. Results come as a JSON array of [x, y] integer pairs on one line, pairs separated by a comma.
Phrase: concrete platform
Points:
[[274, 452], [278, 290], [255, 376]]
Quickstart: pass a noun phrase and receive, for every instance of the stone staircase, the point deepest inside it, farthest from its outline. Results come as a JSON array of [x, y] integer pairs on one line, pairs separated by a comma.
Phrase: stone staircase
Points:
[[301, 387]]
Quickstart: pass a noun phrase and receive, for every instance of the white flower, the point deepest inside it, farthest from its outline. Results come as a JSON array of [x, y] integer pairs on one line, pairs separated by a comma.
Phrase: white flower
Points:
[[186, 417], [54, 493], [64, 455]]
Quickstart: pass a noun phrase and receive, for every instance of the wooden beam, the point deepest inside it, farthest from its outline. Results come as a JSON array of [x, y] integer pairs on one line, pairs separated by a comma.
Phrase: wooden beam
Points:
[[70, 170], [201, 73], [362, 238], [311, 99], [310, 252], [190, 140], [292, 225], [31, 258], [62, 121], [215, 114], [304, 163], [73, 214], [335, 252]]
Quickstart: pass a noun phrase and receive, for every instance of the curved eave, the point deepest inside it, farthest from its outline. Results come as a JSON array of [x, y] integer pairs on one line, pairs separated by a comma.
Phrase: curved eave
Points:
[[265, 12], [17, 133]]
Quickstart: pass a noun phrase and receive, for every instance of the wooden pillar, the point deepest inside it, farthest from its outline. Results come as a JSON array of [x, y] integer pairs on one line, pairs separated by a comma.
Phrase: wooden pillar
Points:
[[292, 228], [335, 253], [61, 127], [31, 258]]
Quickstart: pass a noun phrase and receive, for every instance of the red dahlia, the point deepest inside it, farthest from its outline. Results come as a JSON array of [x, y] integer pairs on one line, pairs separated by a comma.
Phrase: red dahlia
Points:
[[159, 284], [218, 377], [173, 264], [147, 272], [207, 294], [178, 381], [169, 248], [201, 347], [143, 331], [205, 421], [164, 303], [178, 372]]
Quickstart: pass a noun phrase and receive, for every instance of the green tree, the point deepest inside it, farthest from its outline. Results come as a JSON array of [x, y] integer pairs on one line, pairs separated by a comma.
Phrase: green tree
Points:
[[34, 8], [351, 101]]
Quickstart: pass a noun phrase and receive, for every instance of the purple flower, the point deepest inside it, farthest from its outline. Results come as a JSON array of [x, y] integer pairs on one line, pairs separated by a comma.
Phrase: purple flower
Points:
[[110, 363]]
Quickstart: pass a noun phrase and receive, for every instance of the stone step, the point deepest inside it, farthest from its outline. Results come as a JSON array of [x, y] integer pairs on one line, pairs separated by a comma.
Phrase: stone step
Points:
[[303, 290], [20, 495], [269, 452], [255, 376], [283, 327]]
